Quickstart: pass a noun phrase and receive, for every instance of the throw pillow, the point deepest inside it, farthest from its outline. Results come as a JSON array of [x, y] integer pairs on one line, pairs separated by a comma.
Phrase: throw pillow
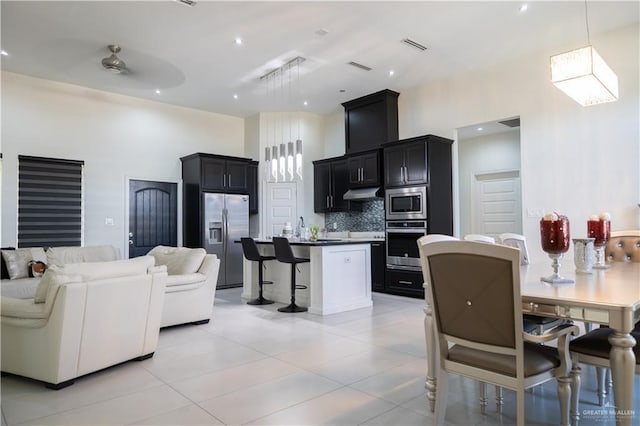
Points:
[[4, 274], [17, 261], [179, 260]]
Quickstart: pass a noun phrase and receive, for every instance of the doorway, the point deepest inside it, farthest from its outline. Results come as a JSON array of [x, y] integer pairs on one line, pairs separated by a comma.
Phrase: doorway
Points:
[[497, 203], [489, 186], [153, 218], [280, 206]]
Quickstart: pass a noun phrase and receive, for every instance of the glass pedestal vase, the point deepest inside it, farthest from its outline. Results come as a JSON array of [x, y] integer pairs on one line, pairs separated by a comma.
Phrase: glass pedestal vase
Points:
[[555, 278], [600, 262]]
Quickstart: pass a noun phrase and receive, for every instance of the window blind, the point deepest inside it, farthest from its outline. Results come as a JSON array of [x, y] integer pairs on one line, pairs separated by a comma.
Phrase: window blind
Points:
[[49, 202]]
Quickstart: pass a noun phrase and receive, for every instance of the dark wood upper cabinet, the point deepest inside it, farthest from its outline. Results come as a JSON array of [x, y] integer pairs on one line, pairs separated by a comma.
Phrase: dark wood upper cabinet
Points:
[[365, 169], [330, 182], [371, 121]]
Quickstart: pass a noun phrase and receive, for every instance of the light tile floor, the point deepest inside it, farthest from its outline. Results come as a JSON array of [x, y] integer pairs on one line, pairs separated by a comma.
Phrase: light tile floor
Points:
[[254, 365]]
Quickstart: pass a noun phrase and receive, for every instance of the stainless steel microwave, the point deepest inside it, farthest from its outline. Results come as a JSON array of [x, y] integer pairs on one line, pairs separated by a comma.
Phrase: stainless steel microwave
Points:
[[406, 203]]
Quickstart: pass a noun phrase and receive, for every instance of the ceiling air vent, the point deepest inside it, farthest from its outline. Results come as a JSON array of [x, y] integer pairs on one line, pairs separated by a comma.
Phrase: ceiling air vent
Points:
[[189, 3], [414, 44], [357, 65], [514, 122]]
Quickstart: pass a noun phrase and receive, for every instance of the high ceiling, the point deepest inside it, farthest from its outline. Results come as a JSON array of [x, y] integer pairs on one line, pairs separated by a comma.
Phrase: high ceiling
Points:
[[190, 53]]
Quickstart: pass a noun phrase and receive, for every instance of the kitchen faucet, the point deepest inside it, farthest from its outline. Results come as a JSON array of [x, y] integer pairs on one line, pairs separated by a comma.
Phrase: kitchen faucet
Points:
[[300, 228]]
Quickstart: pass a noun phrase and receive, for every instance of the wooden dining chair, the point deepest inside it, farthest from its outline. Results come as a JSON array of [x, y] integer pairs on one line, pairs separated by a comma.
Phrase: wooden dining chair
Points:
[[479, 327]]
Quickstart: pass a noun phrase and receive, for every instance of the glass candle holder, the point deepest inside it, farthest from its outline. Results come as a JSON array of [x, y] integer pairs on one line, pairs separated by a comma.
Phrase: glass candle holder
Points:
[[600, 231], [555, 238]]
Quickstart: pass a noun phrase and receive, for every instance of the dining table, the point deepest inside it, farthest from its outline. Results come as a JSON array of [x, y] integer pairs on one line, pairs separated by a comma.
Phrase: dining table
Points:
[[608, 297]]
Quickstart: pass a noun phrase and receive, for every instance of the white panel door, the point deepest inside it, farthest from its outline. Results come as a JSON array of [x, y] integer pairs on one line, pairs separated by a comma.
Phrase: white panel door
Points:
[[497, 203], [280, 208]]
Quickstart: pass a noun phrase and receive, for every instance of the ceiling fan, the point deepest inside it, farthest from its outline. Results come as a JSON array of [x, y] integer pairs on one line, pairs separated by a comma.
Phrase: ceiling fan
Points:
[[113, 63]]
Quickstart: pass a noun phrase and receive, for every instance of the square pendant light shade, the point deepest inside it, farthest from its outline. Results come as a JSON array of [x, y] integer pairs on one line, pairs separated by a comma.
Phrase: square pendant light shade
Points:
[[584, 76]]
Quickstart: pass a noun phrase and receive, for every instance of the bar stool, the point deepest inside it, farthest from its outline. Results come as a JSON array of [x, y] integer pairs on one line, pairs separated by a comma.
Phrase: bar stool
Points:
[[284, 254], [250, 250]]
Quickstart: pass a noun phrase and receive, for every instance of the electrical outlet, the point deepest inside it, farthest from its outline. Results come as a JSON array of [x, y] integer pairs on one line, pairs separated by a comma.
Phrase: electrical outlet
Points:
[[537, 212], [108, 221]]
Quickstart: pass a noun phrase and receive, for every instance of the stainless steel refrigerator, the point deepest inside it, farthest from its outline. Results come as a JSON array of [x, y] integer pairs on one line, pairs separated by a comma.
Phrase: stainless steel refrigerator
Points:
[[226, 219]]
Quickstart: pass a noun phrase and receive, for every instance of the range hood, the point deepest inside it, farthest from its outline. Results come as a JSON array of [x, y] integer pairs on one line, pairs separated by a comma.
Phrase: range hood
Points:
[[362, 194]]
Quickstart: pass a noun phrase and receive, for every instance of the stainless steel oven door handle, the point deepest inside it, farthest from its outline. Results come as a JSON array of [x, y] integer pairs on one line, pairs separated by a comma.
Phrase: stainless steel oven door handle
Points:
[[420, 231], [403, 267]]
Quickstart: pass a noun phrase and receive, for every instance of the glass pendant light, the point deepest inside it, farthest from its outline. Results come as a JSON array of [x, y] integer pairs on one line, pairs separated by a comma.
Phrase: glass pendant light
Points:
[[290, 161], [299, 158]]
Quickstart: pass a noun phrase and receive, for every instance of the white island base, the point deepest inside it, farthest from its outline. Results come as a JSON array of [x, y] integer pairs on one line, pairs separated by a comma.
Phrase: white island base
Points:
[[338, 278]]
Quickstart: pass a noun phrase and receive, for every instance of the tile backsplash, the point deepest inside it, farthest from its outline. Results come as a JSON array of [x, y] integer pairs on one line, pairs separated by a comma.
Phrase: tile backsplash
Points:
[[370, 219]]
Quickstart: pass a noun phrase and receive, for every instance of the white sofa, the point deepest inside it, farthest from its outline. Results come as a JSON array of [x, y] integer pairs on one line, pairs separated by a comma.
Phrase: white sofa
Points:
[[24, 287], [84, 317], [191, 284]]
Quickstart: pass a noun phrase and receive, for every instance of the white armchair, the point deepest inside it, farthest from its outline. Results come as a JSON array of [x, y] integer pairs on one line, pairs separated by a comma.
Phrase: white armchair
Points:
[[85, 317], [191, 284]]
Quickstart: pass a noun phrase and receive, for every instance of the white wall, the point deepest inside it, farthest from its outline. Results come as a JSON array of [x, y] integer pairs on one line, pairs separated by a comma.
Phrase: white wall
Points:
[[483, 154], [575, 160], [116, 136]]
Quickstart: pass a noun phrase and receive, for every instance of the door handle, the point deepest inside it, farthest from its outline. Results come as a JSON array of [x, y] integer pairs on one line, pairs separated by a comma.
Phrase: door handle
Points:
[[224, 180], [361, 174], [229, 179], [402, 174], [406, 175], [327, 204], [405, 282], [130, 242], [130, 234]]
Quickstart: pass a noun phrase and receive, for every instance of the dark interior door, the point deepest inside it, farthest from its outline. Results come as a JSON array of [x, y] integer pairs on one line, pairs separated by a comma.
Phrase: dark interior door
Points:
[[152, 216]]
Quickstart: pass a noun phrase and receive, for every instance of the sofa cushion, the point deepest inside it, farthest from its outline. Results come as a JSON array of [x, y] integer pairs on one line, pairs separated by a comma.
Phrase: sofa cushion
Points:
[[20, 288], [179, 260], [65, 255], [185, 279], [91, 271], [17, 261], [51, 280]]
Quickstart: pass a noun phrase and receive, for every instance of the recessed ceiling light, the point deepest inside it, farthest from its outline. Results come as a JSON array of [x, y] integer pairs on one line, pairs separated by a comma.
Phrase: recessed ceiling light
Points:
[[157, 91], [4, 53], [305, 103], [321, 32], [238, 41], [235, 96], [391, 73], [342, 90], [479, 129], [524, 7]]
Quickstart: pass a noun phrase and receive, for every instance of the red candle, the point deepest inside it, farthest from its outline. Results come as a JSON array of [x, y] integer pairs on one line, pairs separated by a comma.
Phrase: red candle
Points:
[[554, 235], [600, 230]]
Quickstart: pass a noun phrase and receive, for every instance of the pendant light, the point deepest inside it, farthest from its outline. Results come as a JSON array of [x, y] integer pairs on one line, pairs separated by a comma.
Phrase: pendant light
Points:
[[583, 75]]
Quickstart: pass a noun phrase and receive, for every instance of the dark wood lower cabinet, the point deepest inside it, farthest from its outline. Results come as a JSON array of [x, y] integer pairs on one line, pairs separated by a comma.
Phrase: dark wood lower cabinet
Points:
[[404, 283], [378, 265]]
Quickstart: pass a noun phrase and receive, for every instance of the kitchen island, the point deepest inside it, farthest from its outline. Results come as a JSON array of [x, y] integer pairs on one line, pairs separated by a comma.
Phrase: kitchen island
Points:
[[338, 277]]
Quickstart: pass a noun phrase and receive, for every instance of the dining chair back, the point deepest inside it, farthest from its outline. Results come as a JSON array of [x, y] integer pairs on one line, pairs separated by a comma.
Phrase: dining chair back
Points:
[[623, 246], [479, 327], [518, 241], [480, 238]]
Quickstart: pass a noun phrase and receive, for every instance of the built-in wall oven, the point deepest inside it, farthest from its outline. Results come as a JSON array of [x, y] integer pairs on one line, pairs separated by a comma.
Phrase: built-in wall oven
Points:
[[402, 247], [408, 203]]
